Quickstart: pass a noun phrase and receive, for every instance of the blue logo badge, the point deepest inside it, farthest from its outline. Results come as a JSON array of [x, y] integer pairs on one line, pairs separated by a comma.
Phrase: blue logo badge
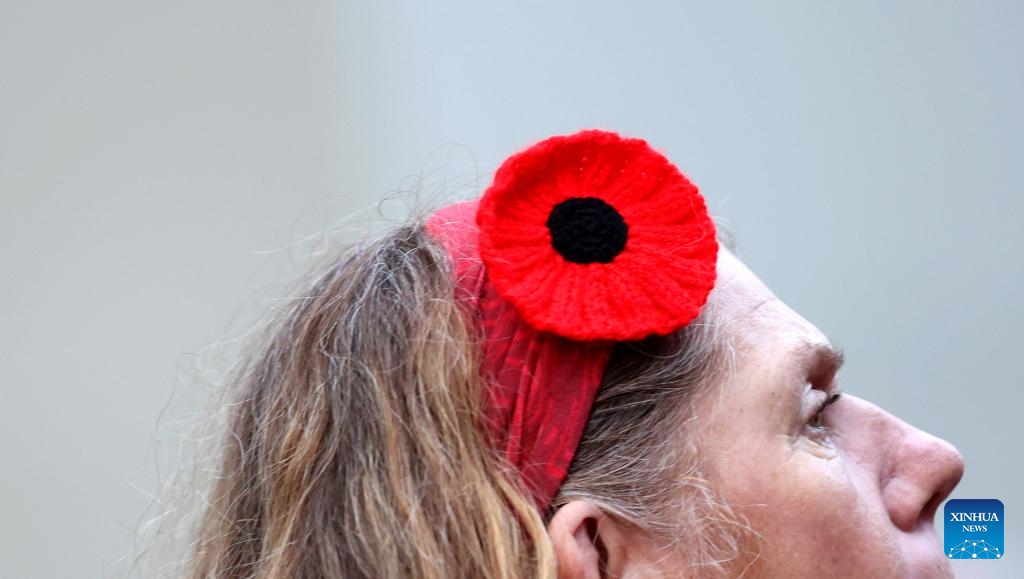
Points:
[[974, 529]]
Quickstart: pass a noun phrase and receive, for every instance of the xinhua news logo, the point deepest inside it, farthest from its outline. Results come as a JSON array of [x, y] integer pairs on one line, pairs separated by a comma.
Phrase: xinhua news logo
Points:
[[974, 529]]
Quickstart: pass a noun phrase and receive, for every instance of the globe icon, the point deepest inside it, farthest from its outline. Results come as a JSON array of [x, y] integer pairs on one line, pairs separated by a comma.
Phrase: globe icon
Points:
[[978, 549]]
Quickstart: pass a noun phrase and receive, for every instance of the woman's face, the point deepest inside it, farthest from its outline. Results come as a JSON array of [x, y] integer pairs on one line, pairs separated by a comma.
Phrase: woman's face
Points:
[[851, 492]]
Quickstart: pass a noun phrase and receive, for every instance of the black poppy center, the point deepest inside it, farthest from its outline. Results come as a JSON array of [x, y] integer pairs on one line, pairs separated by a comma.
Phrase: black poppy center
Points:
[[587, 230]]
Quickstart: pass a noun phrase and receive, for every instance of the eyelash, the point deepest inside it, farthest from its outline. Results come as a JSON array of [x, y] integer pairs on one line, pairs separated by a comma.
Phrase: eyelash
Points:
[[815, 424]]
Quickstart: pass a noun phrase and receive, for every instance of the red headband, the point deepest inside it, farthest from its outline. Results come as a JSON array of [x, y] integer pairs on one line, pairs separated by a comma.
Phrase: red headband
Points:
[[582, 241]]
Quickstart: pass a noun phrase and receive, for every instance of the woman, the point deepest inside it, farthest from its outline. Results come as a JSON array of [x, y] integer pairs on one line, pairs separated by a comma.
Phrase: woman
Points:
[[567, 378]]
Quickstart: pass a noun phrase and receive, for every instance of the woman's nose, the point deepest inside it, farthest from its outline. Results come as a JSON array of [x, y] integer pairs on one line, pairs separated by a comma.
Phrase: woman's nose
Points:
[[923, 472], [916, 471]]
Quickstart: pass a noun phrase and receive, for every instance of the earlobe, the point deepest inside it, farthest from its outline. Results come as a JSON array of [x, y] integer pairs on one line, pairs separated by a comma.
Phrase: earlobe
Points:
[[588, 544]]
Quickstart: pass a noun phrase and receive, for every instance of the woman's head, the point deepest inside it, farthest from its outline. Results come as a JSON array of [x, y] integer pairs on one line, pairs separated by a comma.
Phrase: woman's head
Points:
[[848, 491], [401, 419]]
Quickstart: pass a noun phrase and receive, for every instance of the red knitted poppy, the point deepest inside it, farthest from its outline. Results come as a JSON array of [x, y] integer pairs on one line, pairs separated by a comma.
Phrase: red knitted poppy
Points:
[[581, 241], [596, 236]]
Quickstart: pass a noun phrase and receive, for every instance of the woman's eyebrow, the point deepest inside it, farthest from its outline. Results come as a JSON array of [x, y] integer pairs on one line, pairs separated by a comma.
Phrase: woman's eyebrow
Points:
[[818, 358]]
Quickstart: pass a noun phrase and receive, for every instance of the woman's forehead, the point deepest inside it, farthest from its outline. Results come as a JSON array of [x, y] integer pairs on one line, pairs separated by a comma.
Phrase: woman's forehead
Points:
[[751, 312]]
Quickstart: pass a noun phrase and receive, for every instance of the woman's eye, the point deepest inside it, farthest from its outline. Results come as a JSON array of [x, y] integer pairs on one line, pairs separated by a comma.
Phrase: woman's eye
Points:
[[816, 429]]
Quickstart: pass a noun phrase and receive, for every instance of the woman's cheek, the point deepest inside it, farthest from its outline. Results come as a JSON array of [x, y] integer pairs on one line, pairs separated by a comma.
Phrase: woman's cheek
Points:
[[820, 478]]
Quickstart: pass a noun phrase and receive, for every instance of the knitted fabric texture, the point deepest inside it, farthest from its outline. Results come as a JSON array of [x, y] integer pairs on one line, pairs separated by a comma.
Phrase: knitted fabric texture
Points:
[[580, 242], [637, 257], [587, 230]]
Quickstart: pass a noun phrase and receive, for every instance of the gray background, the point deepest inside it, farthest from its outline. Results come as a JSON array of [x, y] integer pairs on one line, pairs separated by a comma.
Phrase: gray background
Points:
[[164, 166]]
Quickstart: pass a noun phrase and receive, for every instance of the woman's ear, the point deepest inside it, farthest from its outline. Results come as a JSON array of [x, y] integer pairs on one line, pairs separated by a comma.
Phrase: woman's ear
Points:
[[588, 543]]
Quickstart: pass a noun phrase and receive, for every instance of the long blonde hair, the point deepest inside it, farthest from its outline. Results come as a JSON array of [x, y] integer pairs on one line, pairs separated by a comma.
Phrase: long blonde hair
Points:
[[354, 445]]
